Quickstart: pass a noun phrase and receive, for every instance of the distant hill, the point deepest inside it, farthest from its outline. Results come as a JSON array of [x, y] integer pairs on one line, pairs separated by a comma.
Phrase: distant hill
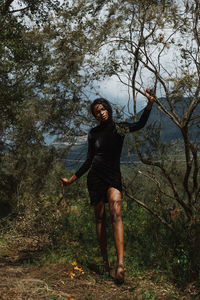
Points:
[[169, 131]]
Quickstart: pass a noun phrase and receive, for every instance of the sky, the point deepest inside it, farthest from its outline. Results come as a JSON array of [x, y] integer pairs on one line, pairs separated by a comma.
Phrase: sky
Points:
[[113, 90]]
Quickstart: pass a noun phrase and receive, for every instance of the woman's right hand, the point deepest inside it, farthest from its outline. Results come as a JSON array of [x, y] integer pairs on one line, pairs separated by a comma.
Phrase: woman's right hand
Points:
[[64, 181]]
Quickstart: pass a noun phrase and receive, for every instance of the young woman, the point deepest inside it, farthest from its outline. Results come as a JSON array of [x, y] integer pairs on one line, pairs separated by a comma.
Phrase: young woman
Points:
[[105, 143]]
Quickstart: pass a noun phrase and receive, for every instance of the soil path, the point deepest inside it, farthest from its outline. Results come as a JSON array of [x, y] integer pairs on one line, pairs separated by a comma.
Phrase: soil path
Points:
[[20, 280], [70, 281], [58, 281]]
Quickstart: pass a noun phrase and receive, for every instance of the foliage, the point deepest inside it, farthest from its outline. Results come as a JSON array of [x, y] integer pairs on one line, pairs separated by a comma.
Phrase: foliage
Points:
[[49, 60], [67, 232], [135, 41], [40, 95]]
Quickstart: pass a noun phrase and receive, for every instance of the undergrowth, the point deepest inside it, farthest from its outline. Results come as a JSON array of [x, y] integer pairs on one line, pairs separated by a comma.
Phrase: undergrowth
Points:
[[66, 232]]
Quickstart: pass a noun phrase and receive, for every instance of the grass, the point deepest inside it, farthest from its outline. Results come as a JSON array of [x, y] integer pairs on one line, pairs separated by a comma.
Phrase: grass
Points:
[[47, 239], [47, 275]]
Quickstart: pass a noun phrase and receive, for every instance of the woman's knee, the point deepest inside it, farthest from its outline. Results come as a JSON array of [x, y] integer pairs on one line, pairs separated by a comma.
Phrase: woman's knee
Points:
[[99, 211], [115, 205], [100, 218], [115, 211]]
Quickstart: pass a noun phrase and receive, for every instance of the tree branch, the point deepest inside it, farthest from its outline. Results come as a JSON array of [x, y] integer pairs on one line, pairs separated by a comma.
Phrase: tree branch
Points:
[[169, 226], [196, 169], [188, 162], [167, 176], [6, 7], [18, 10], [157, 183]]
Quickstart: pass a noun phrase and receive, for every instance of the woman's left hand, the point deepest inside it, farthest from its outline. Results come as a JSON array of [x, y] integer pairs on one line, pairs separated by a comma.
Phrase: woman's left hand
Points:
[[150, 98]]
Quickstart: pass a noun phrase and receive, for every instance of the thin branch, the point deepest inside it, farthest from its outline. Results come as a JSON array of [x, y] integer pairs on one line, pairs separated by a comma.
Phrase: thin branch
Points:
[[195, 27], [193, 104], [169, 179], [173, 117], [157, 183], [18, 10], [196, 168], [6, 7], [169, 226], [188, 162]]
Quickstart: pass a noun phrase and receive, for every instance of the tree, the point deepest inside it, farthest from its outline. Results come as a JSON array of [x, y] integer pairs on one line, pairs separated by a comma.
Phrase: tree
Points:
[[39, 94], [158, 40], [29, 8]]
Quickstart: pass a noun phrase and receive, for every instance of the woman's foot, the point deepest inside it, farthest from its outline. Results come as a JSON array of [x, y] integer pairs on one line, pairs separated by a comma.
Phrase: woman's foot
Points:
[[119, 274], [107, 267]]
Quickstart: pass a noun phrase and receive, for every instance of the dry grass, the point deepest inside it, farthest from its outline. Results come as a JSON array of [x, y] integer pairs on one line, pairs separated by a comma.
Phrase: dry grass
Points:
[[71, 281]]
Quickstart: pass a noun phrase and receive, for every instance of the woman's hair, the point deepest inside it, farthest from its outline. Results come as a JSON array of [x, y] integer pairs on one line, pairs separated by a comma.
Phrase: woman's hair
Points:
[[105, 104]]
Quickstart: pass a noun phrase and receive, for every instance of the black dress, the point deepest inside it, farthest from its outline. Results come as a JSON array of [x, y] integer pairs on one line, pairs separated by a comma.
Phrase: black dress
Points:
[[103, 158]]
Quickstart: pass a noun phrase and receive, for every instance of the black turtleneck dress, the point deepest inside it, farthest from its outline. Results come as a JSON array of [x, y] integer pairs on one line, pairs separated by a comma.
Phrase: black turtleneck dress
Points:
[[103, 158]]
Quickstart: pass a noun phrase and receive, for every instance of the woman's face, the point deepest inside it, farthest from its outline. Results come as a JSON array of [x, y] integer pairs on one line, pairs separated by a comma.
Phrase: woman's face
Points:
[[101, 113]]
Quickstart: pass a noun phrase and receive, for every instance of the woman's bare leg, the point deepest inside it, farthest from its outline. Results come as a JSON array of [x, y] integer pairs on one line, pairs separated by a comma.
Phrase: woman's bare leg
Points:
[[100, 218], [115, 206]]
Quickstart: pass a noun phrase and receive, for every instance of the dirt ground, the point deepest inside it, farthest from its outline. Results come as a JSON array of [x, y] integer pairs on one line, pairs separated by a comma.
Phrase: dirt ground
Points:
[[21, 281]]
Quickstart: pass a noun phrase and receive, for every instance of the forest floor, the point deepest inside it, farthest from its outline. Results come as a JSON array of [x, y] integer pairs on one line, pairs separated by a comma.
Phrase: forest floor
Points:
[[20, 280]]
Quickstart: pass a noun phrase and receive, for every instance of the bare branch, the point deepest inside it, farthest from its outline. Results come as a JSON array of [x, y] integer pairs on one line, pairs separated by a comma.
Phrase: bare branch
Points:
[[189, 163], [7, 6], [18, 10], [196, 169], [157, 183], [193, 104], [174, 117], [169, 179], [195, 23], [169, 226]]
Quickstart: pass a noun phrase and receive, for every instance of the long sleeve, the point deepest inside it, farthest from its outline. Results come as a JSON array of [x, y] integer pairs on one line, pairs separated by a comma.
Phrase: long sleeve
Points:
[[90, 154], [140, 123]]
